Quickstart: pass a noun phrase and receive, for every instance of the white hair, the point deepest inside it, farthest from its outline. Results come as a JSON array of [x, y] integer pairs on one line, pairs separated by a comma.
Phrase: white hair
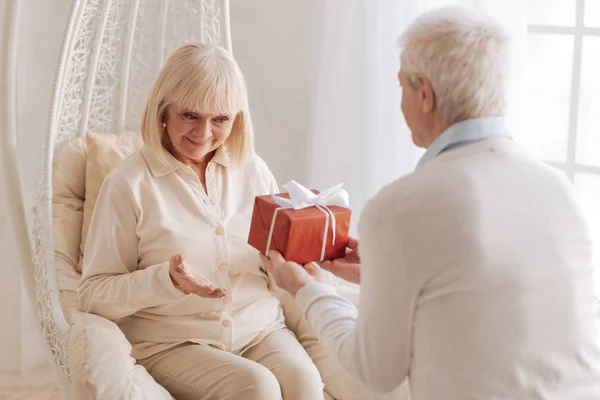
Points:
[[465, 57]]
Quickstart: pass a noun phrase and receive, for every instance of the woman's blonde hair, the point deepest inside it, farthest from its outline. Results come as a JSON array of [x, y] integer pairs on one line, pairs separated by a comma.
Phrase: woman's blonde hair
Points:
[[206, 79]]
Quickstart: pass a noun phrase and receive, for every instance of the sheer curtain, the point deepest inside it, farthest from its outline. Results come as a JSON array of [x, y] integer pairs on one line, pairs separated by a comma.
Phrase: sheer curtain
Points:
[[357, 133], [25, 364]]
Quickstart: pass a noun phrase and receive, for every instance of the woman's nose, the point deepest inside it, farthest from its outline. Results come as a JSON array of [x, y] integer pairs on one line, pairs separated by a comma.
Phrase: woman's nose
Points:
[[204, 130]]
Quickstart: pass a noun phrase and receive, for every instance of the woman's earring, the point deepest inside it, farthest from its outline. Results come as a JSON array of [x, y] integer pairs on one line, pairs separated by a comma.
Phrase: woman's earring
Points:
[[164, 124]]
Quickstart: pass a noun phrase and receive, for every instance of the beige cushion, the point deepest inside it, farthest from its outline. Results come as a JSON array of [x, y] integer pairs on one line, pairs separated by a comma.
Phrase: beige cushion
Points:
[[68, 194], [99, 354], [101, 365], [104, 152]]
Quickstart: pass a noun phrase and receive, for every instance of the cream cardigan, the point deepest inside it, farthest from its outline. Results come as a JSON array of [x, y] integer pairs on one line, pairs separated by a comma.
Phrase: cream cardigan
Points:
[[476, 284], [145, 213]]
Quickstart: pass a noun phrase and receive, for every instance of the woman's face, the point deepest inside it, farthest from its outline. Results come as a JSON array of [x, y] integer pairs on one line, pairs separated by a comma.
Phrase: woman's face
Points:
[[195, 136]]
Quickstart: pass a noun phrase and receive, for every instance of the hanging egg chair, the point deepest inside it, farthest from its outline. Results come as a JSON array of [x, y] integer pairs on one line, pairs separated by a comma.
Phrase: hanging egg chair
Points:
[[111, 55]]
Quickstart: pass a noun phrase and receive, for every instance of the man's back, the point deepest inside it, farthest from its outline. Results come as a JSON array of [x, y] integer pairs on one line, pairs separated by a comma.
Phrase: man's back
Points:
[[502, 259]]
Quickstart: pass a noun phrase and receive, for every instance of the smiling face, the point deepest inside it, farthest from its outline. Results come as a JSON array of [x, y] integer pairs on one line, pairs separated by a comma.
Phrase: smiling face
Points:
[[192, 137], [198, 104]]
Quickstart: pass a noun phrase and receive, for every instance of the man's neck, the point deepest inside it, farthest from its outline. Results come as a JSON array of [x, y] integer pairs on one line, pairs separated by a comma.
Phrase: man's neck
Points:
[[439, 126]]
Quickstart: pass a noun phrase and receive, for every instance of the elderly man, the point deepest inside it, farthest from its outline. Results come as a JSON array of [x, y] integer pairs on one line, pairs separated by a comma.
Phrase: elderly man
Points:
[[477, 267]]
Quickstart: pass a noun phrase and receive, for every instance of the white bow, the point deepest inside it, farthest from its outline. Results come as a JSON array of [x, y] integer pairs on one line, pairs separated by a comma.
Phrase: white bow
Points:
[[301, 197]]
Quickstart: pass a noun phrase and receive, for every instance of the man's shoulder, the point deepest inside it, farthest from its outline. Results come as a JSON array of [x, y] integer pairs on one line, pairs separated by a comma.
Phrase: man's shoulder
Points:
[[454, 179], [409, 192]]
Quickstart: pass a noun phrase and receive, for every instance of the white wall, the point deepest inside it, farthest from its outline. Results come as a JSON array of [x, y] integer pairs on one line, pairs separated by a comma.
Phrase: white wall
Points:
[[275, 43]]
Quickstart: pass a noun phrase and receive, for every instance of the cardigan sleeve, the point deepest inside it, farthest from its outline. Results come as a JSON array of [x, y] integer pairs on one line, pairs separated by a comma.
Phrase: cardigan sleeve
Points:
[[373, 342], [111, 285]]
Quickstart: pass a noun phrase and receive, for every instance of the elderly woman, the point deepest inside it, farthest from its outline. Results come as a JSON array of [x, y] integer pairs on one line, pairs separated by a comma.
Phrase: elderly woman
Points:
[[477, 267], [166, 255]]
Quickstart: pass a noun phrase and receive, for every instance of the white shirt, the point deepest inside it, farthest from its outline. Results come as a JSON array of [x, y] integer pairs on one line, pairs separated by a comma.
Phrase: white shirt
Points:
[[146, 212], [476, 284]]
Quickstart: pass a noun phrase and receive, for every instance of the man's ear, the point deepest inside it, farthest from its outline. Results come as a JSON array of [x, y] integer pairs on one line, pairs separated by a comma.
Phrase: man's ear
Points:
[[426, 94]]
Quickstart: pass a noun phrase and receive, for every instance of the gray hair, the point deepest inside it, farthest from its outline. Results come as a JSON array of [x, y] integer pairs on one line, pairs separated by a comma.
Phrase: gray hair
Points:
[[465, 57]]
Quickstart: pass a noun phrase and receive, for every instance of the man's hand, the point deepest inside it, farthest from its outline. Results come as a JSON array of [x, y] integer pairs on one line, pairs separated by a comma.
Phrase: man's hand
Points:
[[291, 276], [187, 282], [347, 267]]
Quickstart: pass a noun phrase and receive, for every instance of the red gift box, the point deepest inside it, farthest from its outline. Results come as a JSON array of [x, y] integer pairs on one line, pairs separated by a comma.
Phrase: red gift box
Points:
[[298, 234]]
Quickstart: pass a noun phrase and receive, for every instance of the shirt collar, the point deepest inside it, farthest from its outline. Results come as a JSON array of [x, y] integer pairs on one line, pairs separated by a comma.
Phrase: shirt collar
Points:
[[464, 133], [171, 164], [222, 156]]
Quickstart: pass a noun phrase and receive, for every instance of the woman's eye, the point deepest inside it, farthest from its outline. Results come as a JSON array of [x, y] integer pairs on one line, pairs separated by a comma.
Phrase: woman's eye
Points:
[[190, 117], [220, 120]]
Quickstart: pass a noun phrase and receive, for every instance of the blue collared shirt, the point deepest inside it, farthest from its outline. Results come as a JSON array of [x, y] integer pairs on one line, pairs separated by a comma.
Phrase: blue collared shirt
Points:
[[465, 133]]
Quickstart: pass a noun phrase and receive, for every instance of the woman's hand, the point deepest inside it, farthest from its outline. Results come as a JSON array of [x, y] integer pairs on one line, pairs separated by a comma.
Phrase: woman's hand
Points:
[[187, 282], [347, 267], [291, 276]]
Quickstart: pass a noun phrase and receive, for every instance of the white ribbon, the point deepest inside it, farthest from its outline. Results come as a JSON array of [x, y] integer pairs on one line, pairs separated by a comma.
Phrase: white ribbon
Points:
[[301, 197]]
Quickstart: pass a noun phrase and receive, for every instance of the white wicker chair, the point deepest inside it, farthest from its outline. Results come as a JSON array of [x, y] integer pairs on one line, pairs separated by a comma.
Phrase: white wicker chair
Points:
[[111, 54]]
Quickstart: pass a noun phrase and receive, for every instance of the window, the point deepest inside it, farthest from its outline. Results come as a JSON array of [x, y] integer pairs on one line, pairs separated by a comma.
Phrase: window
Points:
[[563, 97]]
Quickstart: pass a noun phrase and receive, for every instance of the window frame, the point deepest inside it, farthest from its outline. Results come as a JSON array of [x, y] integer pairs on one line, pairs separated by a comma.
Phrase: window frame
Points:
[[578, 31], [571, 167]]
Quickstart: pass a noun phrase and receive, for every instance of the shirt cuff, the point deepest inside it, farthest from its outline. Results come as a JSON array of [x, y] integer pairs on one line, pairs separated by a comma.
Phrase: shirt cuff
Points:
[[165, 278], [311, 293]]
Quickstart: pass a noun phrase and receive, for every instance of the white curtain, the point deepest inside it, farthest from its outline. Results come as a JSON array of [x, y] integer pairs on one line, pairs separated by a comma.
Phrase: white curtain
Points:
[[40, 32], [357, 133]]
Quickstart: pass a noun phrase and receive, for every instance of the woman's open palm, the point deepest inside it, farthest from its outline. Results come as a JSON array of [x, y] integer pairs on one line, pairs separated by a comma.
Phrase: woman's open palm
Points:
[[190, 282]]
